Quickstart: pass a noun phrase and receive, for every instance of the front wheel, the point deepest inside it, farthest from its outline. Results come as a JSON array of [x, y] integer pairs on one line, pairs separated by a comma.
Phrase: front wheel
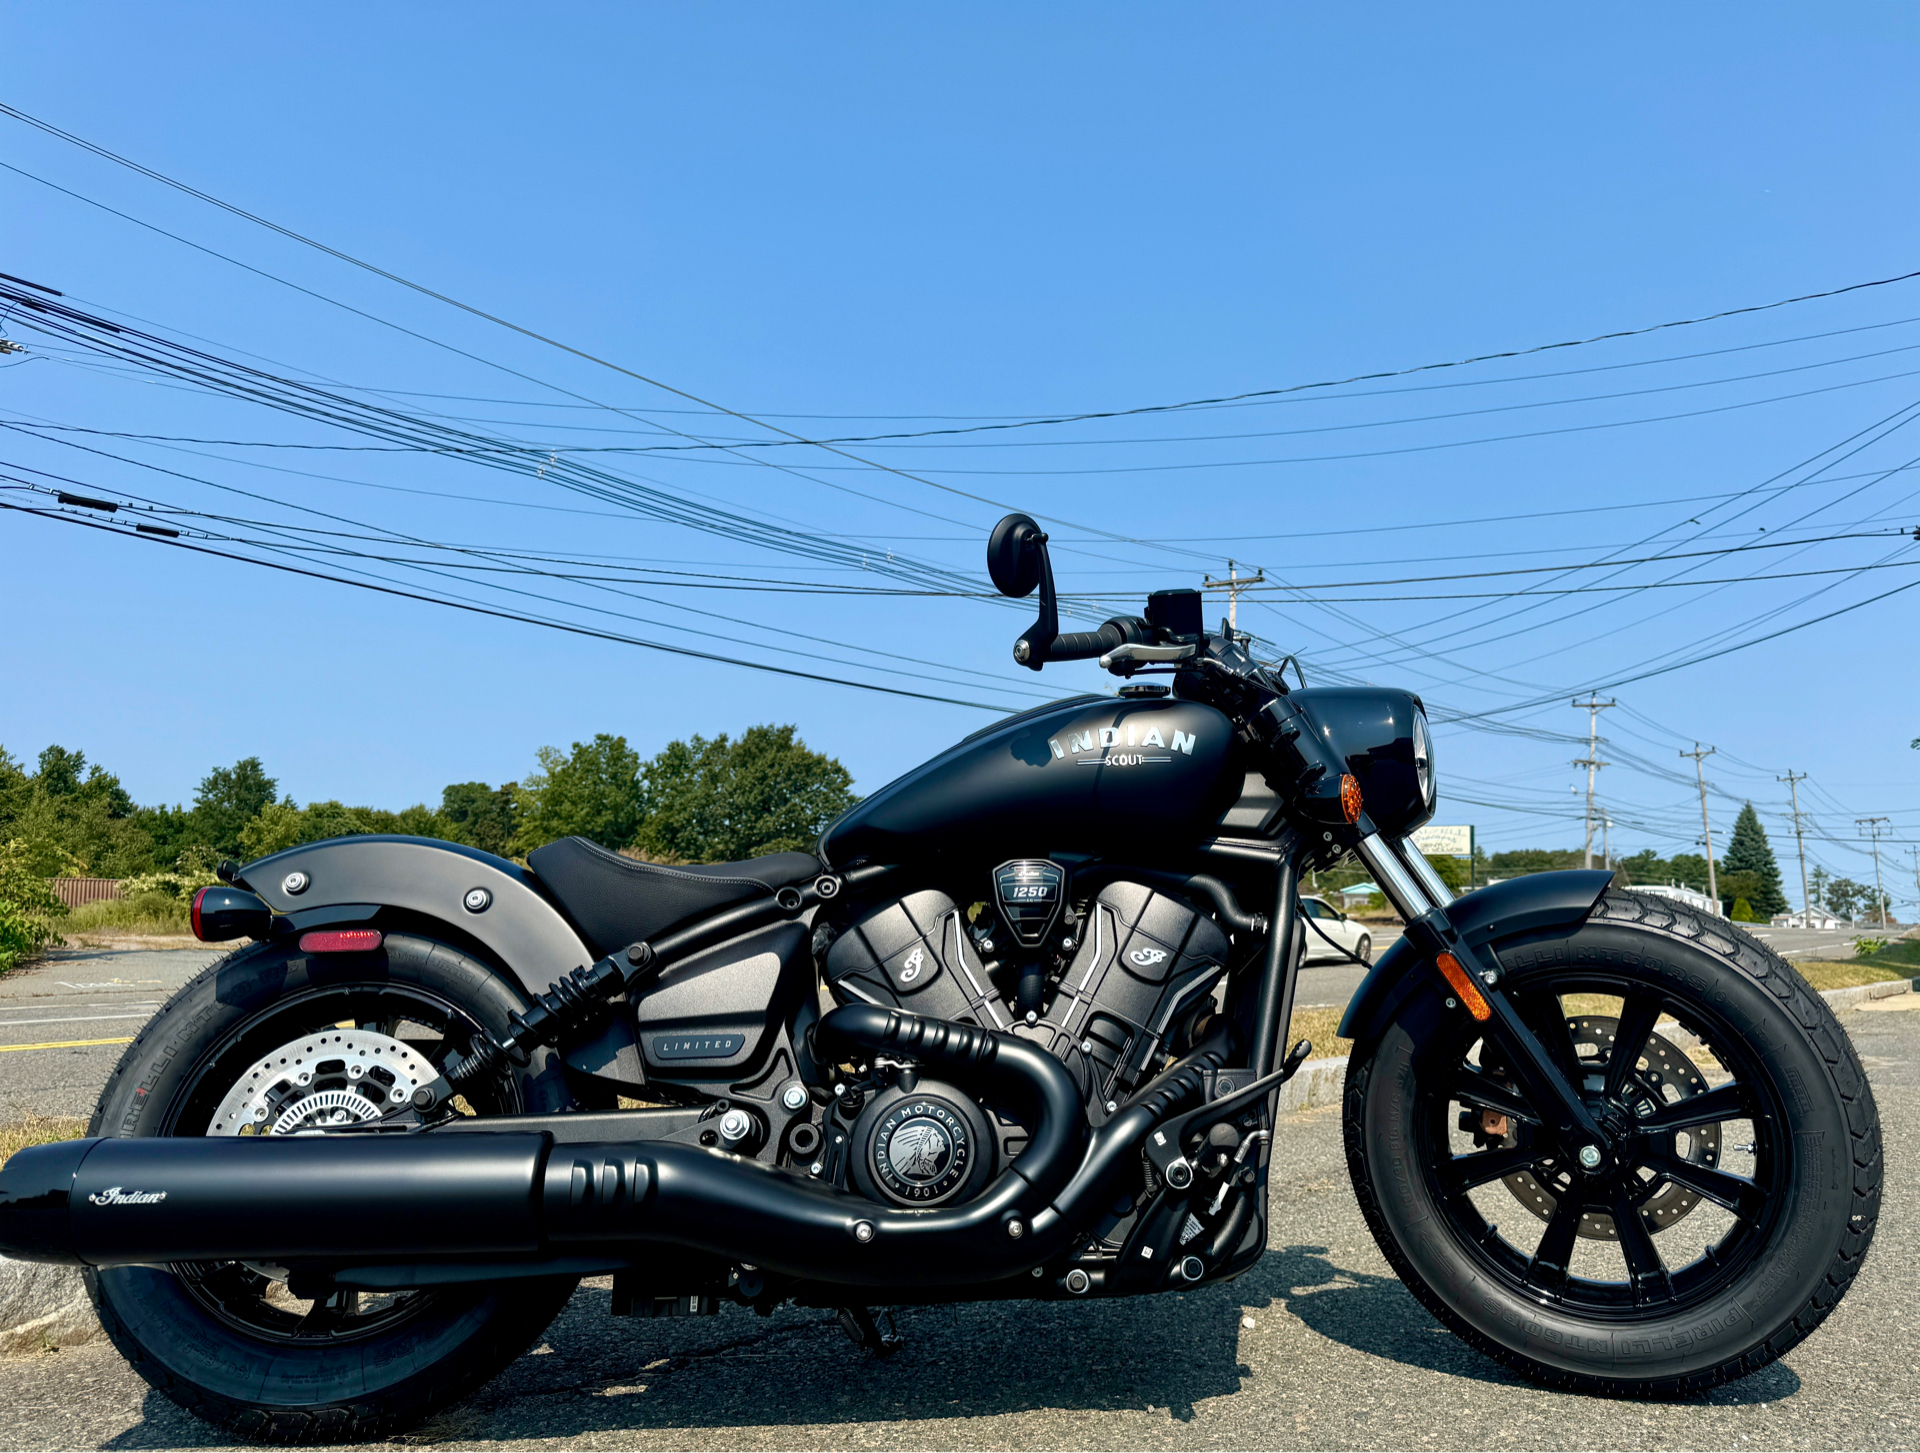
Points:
[[272, 1041], [1749, 1181]]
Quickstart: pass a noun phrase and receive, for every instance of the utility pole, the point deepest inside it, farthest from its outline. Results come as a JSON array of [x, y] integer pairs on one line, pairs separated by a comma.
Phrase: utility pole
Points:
[[1593, 706], [1873, 825], [1233, 585], [1793, 782], [1699, 759], [1606, 842]]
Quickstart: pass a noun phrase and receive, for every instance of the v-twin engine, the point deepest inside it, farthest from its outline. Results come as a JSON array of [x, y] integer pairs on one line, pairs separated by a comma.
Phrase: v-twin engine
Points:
[[1135, 967]]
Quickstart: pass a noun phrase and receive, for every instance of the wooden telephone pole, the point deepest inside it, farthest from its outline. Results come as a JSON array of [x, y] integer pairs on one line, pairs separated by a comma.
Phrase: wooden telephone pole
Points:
[[1233, 585], [1593, 706], [1699, 759]]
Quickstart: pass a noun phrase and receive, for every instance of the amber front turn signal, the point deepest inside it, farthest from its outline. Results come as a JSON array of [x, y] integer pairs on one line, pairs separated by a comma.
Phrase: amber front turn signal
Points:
[[1463, 985], [1350, 797]]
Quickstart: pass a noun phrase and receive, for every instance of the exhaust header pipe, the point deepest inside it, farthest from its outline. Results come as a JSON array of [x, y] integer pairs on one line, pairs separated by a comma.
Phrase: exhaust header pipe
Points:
[[421, 1198]]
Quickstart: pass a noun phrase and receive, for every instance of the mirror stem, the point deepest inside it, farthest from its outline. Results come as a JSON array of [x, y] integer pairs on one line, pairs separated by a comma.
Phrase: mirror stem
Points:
[[1031, 649]]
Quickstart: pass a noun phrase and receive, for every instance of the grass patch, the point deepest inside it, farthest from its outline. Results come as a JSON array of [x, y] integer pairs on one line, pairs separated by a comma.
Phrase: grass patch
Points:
[[1901, 953], [1826, 974], [1320, 1026], [151, 914], [38, 1130]]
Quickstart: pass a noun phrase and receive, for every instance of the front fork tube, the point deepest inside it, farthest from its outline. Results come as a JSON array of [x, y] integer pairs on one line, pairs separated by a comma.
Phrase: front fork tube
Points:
[[1544, 1078]]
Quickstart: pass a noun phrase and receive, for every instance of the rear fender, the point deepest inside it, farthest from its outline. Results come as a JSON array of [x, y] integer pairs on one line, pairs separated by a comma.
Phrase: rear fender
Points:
[[350, 878], [1498, 911]]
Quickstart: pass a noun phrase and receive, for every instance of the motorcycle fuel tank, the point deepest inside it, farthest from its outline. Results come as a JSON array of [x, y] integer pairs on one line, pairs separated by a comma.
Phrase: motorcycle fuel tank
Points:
[[1094, 774]]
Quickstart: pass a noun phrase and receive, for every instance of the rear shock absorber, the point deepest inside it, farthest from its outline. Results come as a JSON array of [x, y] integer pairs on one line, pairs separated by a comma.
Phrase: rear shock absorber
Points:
[[571, 1004]]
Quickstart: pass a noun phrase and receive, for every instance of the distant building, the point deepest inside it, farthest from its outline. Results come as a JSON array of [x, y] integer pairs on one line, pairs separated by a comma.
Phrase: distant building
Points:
[[1356, 896], [1809, 918], [1688, 896]]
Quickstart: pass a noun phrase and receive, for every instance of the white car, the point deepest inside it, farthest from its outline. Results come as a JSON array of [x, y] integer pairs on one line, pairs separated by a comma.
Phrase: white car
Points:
[[1329, 923]]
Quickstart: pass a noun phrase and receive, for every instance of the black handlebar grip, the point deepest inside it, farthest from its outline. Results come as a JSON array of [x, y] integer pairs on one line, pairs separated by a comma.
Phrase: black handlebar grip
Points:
[[1082, 645]]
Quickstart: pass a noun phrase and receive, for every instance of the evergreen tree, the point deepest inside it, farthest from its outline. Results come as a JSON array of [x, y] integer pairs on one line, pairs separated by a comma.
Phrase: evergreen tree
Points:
[[1751, 853]]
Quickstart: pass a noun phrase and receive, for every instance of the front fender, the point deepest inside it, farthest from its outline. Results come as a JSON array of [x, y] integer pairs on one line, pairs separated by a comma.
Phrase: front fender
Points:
[[431, 878], [1500, 910]]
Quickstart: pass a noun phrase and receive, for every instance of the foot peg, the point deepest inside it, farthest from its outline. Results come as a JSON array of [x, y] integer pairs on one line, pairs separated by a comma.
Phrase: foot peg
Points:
[[863, 1331], [1296, 1057]]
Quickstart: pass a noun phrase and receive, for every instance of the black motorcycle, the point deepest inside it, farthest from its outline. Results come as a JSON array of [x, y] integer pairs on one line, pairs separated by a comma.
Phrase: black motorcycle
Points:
[[354, 1169]]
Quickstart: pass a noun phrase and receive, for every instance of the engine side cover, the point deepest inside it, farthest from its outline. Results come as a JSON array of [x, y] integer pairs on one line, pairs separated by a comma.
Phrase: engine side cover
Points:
[[1143, 958], [915, 954], [922, 1147]]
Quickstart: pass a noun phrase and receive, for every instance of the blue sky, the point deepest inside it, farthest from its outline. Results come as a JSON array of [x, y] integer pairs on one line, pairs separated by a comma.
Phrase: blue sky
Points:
[[875, 220]]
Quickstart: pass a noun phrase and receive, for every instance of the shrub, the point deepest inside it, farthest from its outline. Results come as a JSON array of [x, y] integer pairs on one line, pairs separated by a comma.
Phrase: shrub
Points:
[[27, 906], [1866, 947], [1742, 911]]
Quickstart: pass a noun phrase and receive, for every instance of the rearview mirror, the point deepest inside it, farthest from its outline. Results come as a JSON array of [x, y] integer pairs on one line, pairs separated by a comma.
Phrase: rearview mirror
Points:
[[1013, 555]]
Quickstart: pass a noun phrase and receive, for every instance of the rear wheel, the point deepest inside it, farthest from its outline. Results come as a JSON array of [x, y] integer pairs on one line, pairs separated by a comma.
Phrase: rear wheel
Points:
[[273, 1041], [1744, 1197]]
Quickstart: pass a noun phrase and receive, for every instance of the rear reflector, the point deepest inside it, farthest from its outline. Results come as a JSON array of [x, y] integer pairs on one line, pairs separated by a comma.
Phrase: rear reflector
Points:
[[340, 941]]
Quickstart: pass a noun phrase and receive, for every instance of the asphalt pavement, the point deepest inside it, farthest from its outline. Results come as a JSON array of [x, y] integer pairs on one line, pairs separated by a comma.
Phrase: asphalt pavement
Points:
[[1317, 1347], [65, 1021]]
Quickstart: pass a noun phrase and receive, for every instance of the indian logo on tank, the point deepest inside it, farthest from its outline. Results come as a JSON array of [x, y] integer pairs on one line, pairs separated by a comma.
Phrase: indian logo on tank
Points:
[[1129, 744], [114, 1196]]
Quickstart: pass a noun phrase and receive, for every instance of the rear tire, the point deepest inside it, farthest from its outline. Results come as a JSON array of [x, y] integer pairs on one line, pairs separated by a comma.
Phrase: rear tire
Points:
[[1666, 1320], [237, 1363]]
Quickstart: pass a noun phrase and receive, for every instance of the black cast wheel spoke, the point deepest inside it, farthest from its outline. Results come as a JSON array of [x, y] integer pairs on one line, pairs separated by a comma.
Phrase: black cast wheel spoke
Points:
[[1551, 1257], [1736, 1193], [1638, 1014], [1544, 1015], [1729, 1102], [1467, 1171], [1474, 1087], [1646, 1273]]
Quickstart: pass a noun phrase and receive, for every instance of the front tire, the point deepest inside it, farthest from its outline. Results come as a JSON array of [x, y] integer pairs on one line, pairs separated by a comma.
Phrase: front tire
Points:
[[226, 1340], [1742, 1211]]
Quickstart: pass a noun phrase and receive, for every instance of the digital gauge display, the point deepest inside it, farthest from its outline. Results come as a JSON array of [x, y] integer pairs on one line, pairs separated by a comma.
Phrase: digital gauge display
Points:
[[1029, 892]]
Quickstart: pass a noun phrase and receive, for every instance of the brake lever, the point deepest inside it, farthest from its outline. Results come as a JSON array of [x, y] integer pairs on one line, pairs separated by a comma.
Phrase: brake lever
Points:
[[1133, 652], [1163, 1145]]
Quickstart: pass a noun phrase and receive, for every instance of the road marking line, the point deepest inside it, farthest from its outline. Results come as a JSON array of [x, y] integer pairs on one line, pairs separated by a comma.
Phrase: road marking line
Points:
[[71, 1019], [63, 1044]]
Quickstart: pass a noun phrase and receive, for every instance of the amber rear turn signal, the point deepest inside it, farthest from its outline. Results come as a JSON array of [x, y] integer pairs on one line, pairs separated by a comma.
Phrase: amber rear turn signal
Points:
[[1463, 985]]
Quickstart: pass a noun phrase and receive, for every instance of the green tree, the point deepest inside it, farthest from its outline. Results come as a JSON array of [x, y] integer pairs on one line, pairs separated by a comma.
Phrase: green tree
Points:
[[1750, 852], [1518, 862], [481, 816], [229, 798], [592, 792], [721, 800], [71, 819]]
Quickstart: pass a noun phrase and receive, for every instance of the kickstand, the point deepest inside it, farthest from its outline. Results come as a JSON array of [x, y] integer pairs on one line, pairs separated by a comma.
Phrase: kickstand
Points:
[[861, 1328]]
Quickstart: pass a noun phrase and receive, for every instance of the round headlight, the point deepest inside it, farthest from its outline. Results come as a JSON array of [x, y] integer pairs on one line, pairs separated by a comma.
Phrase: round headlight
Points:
[[1423, 758]]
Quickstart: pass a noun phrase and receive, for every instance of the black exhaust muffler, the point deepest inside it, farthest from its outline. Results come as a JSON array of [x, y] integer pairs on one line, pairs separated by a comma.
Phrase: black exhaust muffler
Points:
[[421, 1198]]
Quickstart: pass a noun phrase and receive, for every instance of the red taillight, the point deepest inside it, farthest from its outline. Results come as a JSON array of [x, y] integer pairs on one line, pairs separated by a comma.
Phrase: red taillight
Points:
[[195, 915], [340, 941]]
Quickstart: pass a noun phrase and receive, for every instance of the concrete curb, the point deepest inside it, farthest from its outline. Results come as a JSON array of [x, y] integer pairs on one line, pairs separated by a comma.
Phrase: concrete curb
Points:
[[43, 1307], [46, 1306]]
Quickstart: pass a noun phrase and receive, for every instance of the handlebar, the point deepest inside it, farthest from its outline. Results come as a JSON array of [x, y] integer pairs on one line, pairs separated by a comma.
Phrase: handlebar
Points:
[[1085, 645]]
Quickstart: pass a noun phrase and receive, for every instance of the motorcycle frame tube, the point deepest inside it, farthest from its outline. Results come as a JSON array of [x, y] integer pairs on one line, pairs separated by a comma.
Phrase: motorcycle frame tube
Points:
[[1279, 970]]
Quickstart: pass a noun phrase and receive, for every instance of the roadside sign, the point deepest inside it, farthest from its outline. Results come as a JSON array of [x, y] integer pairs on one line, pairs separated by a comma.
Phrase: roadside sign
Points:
[[1444, 842]]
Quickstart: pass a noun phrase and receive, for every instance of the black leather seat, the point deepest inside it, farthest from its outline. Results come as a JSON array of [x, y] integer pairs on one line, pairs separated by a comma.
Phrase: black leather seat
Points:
[[615, 901]]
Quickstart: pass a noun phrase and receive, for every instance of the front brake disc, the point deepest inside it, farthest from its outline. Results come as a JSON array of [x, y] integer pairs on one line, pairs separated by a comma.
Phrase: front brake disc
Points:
[[1666, 1066]]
